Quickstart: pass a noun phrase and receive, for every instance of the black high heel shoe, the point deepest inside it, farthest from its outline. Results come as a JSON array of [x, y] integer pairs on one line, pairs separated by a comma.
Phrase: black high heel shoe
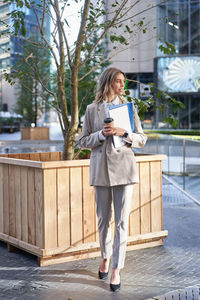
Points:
[[103, 275], [115, 287]]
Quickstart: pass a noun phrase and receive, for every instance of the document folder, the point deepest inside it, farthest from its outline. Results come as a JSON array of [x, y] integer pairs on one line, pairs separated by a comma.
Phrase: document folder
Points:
[[123, 118]]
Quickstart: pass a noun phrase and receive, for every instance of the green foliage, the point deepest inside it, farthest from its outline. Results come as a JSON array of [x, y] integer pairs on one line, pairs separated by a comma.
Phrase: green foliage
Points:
[[32, 99], [121, 39], [17, 18], [167, 48], [163, 101], [82, 153]]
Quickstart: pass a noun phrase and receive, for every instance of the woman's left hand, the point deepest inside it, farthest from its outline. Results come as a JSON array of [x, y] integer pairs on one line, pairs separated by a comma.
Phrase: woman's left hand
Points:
[[118, 131]]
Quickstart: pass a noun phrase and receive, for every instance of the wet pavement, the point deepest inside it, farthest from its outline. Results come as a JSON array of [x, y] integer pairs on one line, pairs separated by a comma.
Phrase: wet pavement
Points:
[[164, 272]]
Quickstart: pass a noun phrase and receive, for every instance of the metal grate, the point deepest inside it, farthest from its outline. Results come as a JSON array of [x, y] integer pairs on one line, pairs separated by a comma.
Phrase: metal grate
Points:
[[190, 293]]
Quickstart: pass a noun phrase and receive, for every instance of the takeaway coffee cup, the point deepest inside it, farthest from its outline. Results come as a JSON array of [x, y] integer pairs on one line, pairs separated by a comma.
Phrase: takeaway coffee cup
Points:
[[109, 121]]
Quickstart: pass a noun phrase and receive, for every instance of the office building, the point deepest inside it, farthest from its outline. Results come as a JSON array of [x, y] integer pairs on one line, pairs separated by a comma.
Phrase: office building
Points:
[[176, 22], [11, 48]]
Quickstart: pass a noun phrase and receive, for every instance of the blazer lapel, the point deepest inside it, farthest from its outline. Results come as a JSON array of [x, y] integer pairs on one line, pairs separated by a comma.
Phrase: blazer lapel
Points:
[[101, 114]]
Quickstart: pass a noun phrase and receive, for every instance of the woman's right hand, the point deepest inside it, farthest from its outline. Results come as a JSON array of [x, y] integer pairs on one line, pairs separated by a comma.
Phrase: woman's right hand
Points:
[[107, 130]]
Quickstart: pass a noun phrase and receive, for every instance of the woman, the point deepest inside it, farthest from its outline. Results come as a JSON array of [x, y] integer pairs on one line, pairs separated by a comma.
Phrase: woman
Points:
[[113, 171]]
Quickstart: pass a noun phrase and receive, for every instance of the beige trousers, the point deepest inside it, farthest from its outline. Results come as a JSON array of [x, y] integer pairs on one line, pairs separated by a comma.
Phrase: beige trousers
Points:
[[121, 196]]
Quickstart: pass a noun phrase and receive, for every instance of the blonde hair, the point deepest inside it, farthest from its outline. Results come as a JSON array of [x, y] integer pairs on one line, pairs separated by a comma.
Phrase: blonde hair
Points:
[[104, 88]]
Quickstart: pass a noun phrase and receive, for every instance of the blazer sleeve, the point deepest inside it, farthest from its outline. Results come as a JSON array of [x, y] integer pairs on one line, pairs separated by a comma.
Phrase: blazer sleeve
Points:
[[89, 139], [138, 137]]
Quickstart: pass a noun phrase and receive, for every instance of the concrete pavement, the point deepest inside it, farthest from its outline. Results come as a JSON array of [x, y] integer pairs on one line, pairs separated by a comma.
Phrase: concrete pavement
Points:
[[147, 274]]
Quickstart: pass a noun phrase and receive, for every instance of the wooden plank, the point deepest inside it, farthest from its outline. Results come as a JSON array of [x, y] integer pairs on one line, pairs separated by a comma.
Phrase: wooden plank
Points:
[[54, 156], [150, 157], [17, 189], [156, 196], [76, 205], [60, 155], [68, 163], [13, 155], [145, 197], [63, 258], [144, 245], [21, 162], [47, 261], [44, 156], [37, 133], [89, 215], [21, 244], [134, 219], [39, 208], [35, 156], [31, 206], [64, 163], [50, 209], [12, 204], [6, 214], [25, 156], [24, 202], [25, 133], [139, 238], [1, 198], [147, 237], [63, 207]]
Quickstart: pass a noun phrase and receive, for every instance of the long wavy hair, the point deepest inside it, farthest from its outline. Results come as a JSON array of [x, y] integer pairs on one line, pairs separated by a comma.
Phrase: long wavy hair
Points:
[[104, 89]]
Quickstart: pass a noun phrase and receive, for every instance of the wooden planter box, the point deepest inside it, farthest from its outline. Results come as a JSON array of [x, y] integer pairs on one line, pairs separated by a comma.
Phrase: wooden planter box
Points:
[[47, 206], [36, 133]]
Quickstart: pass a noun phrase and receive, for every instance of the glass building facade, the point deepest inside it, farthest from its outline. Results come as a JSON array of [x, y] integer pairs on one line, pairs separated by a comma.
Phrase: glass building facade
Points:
[[11, 47], [178, 22]]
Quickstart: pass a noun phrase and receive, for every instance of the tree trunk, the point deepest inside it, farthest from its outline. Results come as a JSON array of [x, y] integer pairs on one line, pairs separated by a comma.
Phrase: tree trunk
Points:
[[69, 142], [35, 104], [70, 136]]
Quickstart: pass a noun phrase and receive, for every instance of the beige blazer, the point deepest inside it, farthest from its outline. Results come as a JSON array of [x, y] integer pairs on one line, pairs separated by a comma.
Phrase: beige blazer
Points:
[[109, 166]]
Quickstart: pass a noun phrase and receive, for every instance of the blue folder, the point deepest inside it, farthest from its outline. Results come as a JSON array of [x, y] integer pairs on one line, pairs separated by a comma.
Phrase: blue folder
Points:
[[130, 112]]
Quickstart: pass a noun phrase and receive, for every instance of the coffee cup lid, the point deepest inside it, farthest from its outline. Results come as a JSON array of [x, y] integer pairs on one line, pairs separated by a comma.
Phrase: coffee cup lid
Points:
[[108, 120]]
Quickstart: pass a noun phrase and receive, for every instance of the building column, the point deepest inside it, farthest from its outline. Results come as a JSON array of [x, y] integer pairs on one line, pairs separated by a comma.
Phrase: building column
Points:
[[189, 112]]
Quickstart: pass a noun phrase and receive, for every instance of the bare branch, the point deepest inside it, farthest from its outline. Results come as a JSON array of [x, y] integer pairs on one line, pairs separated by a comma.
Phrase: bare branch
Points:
[[55, 41], [103, 61], [38, 77], [77, 153], [128, 9], [104, 32], [43, 15], [141, 12], [81, 34], [43, 37], [61, 69], [83, 99], [63, 32], [27, 88], [59, 115]]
